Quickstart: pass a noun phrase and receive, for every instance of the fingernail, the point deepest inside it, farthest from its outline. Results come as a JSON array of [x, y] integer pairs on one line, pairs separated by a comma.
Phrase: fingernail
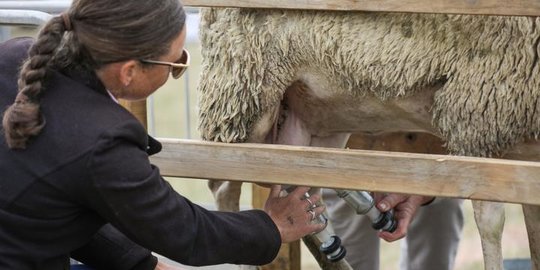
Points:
[[383, 206]]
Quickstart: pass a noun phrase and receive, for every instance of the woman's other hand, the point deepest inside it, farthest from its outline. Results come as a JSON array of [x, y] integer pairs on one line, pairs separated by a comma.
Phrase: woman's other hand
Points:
[[404, 206]]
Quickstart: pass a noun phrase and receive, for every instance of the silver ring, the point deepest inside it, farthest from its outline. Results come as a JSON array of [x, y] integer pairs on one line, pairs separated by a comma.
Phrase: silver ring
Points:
[[310, 202], [312, 214]]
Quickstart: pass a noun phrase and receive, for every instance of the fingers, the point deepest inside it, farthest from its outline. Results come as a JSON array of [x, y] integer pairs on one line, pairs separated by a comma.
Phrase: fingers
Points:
[[312, 206], [316, 220], [299, 192], [312, 201], [317, 211], [390, 201], [404, 212], [427, 200], [403, 221], [316, 228], [312, 214], [297, 214], [391, 237], [274, 191]]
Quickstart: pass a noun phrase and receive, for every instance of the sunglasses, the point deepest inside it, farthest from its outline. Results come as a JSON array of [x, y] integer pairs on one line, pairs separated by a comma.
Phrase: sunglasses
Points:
[[177, 68]]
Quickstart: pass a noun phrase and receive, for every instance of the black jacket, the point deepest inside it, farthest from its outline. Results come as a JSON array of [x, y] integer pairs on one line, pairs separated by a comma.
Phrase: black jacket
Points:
[[88, 167]]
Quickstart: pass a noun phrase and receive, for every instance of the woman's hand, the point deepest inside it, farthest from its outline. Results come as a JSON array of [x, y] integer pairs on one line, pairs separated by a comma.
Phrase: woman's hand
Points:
[[293, 214], [404, 207]]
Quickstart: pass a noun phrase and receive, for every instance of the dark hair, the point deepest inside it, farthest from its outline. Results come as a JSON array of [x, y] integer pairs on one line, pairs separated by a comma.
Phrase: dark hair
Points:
[[94, 33]]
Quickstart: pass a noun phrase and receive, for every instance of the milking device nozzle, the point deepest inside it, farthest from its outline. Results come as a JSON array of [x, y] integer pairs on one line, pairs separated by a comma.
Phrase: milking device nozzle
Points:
[[363, 204]]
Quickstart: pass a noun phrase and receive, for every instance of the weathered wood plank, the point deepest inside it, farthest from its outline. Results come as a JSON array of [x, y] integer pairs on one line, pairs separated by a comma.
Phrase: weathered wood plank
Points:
[[436, 175], [491, 7]]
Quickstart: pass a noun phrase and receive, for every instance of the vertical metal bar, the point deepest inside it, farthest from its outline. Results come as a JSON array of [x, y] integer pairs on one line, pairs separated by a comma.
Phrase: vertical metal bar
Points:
[[152, 125], [5, 33], [187, 102]]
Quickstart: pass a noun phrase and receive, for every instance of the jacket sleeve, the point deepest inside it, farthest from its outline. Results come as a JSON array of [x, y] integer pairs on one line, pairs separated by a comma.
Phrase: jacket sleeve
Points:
[[110, 249], [130, 193]]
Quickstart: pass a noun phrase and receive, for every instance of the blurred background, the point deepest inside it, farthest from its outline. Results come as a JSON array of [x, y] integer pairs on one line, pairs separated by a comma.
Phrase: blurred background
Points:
[[173, 111]]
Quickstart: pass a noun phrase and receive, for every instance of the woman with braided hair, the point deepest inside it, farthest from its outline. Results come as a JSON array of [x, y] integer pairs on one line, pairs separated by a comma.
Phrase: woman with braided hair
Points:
[[76, 180]]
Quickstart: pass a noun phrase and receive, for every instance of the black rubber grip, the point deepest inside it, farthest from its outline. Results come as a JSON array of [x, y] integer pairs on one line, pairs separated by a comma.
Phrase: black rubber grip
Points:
[[386, 217]]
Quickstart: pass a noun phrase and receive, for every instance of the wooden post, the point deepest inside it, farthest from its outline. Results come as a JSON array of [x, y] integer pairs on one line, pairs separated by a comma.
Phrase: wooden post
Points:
[[288, 257], [137, 108]]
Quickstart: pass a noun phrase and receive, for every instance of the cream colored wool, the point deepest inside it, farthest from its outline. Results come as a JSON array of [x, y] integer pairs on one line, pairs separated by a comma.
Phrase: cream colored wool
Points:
[[489, 66]]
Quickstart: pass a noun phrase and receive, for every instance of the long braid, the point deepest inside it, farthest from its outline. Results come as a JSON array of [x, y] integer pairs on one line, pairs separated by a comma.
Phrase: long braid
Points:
[[92, 33], [23, 119]]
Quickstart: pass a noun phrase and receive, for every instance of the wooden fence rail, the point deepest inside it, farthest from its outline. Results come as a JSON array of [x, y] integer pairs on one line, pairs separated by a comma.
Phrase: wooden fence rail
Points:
[[422, 174], [488, 7]]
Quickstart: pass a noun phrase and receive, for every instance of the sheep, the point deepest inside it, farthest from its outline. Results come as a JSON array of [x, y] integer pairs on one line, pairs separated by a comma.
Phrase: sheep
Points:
[[315, 77]]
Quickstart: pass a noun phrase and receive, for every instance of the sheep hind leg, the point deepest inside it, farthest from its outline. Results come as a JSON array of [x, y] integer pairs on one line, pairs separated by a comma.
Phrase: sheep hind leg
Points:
[[532, 222], [226, 194], [489, 218]]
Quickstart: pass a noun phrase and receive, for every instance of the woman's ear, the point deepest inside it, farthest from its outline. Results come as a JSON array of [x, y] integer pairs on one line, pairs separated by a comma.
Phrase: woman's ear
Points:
[[128, 71]]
